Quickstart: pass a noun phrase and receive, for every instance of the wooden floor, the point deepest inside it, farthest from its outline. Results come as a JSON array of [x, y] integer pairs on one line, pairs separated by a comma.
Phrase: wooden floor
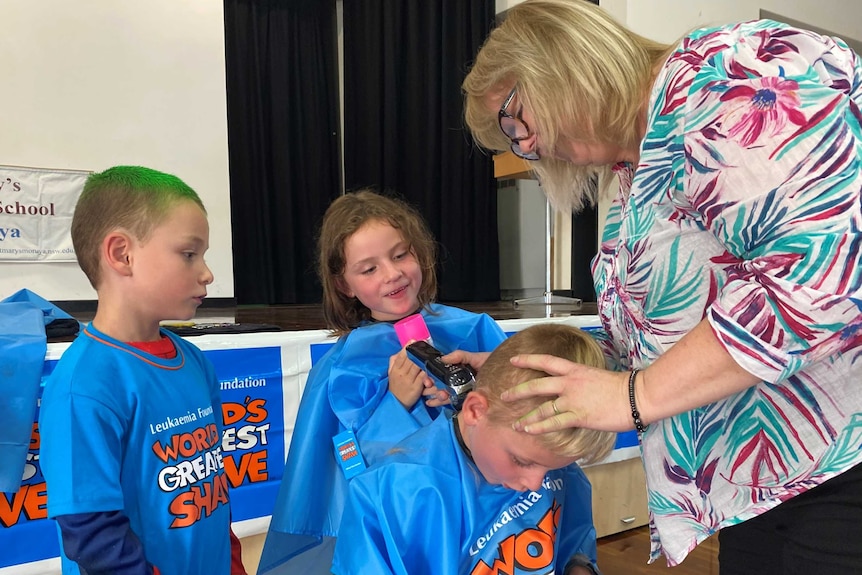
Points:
[[294, 317], [626, 553], [310, 316]]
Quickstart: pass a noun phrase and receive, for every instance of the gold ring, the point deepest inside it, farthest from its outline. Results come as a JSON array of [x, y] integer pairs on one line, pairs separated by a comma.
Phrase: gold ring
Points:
[[554, 405]]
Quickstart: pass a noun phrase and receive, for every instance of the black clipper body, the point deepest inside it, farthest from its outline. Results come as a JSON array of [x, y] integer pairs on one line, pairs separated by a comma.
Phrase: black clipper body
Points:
[[457, 379]]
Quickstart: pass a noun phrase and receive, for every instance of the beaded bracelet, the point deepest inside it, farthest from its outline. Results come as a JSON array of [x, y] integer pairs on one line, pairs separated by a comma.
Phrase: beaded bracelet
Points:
[[636, 416]]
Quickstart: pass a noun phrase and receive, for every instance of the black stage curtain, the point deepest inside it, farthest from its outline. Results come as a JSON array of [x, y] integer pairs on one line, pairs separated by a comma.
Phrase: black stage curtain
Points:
[[282, 106], [585, 245], [404, 61]]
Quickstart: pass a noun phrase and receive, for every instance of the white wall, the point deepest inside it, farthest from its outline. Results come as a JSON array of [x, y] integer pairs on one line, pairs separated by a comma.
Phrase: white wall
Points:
[[505, 4], [88, 86], [667, 20]]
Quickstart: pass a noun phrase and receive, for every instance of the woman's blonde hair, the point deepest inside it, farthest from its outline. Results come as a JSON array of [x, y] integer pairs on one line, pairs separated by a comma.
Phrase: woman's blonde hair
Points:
[[497, 375], [342, 219], [583, 75]]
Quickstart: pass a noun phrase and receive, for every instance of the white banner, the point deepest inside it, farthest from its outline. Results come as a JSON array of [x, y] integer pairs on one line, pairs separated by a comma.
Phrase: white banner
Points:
[[36, 207]]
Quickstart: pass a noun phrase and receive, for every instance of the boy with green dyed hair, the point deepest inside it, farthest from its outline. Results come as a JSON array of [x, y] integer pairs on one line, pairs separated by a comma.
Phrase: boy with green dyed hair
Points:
[[131, 417]]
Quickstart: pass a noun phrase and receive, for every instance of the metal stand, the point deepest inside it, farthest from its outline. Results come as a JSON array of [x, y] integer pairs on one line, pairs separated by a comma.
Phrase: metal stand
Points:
[[548, 298]]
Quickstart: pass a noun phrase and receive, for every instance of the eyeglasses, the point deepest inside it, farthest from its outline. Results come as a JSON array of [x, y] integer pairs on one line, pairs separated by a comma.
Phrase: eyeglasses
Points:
[[515, 129]]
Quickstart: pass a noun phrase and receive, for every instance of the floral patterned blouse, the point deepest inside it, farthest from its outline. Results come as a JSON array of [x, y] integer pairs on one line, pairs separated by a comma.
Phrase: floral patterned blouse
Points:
[[745, 209]]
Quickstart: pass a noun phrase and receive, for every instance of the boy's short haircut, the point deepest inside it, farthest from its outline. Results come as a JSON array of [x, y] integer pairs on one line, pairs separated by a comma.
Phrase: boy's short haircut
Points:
[[130, 198], [498, 374]]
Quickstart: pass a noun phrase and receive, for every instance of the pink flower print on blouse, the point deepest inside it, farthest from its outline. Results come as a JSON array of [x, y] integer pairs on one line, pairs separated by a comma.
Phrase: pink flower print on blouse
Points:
[[761, 107]]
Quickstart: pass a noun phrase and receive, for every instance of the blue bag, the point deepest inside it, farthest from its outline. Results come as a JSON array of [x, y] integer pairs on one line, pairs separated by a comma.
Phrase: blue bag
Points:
[[22, 354], [57, 322]]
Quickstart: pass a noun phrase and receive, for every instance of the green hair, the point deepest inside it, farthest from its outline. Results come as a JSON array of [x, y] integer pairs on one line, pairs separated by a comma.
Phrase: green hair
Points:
[[131, 198]]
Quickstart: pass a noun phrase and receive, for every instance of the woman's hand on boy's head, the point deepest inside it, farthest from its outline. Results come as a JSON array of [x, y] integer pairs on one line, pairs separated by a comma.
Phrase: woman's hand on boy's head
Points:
[[475, 359], [407, 381], [577, 396]]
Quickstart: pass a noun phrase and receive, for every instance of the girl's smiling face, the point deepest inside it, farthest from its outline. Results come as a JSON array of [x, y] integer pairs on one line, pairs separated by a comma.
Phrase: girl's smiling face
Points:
[[381, 271]]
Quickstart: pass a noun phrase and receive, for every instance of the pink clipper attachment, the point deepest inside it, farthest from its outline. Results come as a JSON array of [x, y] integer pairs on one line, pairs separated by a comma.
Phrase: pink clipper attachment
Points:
[[412, 328]]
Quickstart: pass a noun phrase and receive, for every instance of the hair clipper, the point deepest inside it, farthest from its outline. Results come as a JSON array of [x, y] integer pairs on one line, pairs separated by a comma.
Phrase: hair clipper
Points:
[[457, 379]]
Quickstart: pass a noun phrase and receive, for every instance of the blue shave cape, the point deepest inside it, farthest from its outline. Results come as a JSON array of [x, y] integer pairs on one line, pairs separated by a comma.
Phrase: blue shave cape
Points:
[[348, 390], [426, 509], [23, 317]]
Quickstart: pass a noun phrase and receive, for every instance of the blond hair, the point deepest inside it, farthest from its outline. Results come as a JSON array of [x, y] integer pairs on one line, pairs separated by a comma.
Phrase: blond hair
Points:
[[130, 198], [497, 375], [569, 60], [344, 217]]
